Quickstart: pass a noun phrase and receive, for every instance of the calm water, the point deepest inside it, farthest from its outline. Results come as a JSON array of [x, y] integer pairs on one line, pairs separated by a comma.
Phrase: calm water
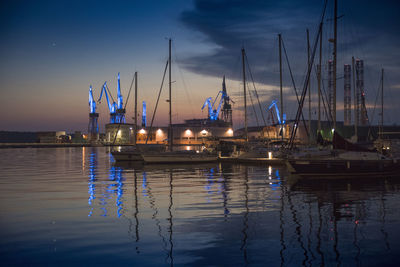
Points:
[[74, 206]]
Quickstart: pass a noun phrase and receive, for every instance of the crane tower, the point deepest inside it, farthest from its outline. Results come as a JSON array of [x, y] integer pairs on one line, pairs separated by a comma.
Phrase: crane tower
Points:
[[93, 127]]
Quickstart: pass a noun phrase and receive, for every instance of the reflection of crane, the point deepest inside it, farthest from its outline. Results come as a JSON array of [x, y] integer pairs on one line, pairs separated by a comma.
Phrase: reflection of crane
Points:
[[213, 112], [277, 113]]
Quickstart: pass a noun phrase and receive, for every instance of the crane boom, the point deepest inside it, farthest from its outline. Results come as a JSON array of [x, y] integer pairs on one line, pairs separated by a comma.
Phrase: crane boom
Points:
[[111, 106]]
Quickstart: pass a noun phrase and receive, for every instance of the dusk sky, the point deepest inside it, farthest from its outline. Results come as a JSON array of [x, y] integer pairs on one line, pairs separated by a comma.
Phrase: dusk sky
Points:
[[52, 51]]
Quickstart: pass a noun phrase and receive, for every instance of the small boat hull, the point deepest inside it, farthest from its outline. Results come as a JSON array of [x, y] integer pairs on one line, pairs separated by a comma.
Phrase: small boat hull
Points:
[[173, 157], [342, 168], [127, 156]]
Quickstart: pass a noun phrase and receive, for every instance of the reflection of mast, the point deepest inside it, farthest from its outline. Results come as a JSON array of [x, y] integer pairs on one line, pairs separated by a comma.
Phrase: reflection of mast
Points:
[[154, 216], [246, 216], [336, 215], [319, 235], [309, 234], [136, 212], [281, 226], [171, 244], [298, 228]]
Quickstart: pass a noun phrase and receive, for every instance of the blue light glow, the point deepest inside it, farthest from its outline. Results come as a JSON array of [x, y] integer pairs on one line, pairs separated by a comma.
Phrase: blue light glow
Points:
[[92, 103], [212, 111], [277, 112], [144, 114]]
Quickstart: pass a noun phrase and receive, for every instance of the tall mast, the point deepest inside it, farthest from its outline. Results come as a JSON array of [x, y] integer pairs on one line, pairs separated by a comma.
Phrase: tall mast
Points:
[[355, 100], [245, 94], [135, 128], [382, 105], [171, 140], [334, 65], [308, 86], [280, 78], [319, 80]]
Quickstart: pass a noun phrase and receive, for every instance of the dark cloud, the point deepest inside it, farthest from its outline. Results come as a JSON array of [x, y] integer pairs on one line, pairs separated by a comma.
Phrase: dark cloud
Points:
[[367, 30]]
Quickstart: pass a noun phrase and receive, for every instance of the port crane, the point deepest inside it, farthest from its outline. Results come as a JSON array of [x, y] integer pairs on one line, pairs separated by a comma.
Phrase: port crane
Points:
[[117, 111], [213, 112], [277, 115]]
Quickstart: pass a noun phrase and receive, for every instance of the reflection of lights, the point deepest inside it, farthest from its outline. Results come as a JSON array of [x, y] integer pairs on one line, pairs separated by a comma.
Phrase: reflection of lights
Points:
[[269, 155], [188, 133], [142, 131], [203, 132], [230, 132]]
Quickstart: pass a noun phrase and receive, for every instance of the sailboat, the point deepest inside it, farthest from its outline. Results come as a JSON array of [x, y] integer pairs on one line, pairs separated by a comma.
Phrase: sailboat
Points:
[[148, 155]]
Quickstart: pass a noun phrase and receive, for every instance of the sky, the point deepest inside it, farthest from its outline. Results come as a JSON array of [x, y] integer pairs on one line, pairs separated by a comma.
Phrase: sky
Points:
[[52, 51]]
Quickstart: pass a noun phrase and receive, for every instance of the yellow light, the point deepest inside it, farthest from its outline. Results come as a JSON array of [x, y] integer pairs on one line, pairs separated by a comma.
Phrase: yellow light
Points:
[[188, 133], [142, 131], [269, 155], [187, 147], [230, 132], [203, 132], [159, 132]]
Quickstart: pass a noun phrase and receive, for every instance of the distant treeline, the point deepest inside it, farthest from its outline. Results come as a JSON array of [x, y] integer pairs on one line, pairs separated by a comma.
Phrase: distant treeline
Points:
[[18, 137]]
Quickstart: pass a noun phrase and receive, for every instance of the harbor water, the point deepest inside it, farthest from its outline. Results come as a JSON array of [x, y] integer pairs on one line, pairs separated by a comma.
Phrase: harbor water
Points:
[[77, 207]]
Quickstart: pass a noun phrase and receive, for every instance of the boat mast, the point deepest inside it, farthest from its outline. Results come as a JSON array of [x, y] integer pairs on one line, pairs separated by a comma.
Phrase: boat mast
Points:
[[334, 65], [381, 133], [135, 128], [309, 87], [319, 81], [244, 92], [280, 81], [170, 139]]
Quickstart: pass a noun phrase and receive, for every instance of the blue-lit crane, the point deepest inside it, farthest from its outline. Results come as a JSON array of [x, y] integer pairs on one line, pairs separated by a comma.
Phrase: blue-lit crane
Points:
[[144, 123], [213, 112], [92, 103], [93, 127], [117, 111], [277, 113]]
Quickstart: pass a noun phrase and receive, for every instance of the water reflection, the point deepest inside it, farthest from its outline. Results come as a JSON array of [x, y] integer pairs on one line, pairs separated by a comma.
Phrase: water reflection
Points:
[[186, 215], [103, 190]]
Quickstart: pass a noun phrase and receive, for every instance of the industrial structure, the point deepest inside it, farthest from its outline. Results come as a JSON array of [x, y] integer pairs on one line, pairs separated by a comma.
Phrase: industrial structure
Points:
[[347, 94], [93, 128], [360, 94], [331, 100], [222, 100]]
